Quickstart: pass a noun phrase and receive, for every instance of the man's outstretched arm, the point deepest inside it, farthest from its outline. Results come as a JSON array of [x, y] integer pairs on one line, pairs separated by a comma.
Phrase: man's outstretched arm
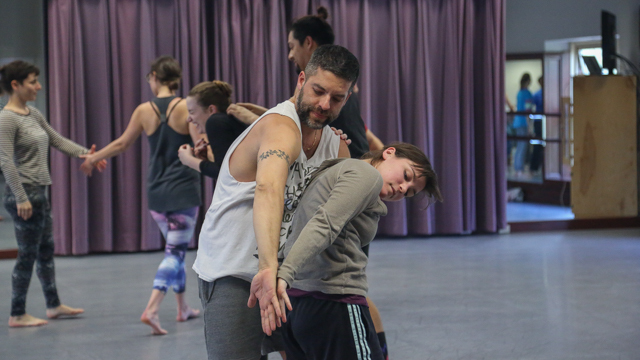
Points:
[[279, 146]]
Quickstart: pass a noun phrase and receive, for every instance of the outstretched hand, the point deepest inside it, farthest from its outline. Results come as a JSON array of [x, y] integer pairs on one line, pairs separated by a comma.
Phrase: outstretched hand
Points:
[[283, 300], [90, 162], [342, 135], [263, 291]]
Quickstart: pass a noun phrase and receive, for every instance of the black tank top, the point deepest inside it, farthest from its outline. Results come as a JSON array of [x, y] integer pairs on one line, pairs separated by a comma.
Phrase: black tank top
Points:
[[171, 186]]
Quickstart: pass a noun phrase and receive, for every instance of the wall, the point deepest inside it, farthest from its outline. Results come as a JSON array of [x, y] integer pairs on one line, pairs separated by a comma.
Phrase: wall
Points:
[[530, 23], [22, 29]]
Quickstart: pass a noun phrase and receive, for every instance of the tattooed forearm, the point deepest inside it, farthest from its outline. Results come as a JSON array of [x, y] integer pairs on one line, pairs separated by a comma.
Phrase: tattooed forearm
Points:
[[279, 153]]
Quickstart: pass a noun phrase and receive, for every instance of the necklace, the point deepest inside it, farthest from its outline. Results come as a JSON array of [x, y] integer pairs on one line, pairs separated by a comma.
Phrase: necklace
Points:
[[315, 133]]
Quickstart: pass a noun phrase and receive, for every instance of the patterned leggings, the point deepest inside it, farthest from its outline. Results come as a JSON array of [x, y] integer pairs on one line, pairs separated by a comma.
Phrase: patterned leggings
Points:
[[35, 245], [177, 227]]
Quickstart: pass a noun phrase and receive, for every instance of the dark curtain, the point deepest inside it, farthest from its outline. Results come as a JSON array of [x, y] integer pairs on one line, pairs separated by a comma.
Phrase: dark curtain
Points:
[[247, 42], [99, 52], [432, 75]]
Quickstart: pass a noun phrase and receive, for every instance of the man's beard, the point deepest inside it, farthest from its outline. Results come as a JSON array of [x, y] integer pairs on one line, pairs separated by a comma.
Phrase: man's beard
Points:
[[304, 110]]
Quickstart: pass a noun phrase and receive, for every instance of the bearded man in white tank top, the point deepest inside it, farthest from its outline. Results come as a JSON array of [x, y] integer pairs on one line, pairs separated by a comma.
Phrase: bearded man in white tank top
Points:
[[243, 228]]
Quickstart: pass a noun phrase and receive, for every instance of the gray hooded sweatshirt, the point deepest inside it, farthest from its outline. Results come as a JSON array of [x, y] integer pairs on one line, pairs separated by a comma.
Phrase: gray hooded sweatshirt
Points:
[[338, 214]]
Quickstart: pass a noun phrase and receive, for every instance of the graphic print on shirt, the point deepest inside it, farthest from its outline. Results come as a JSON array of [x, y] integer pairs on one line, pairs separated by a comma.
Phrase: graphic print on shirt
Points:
[[298, 179]]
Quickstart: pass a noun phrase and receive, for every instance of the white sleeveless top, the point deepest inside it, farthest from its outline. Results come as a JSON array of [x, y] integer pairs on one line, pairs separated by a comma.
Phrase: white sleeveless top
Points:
[[227, 243]]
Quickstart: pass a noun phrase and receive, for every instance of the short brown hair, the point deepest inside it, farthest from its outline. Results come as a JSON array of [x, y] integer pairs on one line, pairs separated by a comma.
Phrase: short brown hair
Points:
[[16, 70], [168, 71], [421, 163], [214, 92]]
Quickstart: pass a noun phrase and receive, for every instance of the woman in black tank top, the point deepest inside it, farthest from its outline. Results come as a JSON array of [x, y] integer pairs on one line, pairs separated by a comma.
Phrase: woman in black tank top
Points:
[[207, 104], [173, 189]]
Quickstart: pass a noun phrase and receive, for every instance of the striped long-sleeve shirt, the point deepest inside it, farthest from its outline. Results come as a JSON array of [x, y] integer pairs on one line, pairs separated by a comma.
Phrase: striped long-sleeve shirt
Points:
[[24, 149]]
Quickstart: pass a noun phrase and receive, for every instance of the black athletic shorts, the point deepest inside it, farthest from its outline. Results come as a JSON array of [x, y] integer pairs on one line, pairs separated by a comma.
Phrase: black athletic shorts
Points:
[[331, 330]]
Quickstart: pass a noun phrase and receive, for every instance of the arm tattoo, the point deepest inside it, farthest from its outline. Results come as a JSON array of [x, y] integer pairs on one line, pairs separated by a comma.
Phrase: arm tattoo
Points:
[[279, 153]]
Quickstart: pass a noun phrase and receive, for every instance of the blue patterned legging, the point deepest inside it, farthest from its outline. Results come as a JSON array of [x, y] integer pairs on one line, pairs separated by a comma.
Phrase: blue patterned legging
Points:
[[35, 245], [177, 227]]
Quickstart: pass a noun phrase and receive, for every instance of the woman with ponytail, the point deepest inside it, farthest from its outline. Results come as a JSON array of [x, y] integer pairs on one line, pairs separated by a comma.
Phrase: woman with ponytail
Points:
[[173, 190]]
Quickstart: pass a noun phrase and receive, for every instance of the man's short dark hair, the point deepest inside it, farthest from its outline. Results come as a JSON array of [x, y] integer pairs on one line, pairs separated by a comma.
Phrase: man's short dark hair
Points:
[[336, 59], [315, 26]]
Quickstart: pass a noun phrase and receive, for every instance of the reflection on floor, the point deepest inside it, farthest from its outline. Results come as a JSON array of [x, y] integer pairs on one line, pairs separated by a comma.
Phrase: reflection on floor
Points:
[[520, 212], [7, 233], [536, 296], [535, 177]]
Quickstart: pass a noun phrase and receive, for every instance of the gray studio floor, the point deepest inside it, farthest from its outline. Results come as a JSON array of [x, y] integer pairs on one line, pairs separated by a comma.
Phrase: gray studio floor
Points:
[[564, 295]]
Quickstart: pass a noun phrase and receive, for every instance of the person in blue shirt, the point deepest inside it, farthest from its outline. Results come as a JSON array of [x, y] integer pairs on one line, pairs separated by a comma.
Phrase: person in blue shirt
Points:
[[536, 155], [524, 103], [537, 97]]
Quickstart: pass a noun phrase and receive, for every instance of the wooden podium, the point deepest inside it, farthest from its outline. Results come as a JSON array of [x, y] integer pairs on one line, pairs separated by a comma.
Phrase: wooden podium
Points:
[[604, 181]]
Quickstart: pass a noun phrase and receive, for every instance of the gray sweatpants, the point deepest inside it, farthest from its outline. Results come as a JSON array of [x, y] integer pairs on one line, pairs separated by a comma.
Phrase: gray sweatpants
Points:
[[231, 329]]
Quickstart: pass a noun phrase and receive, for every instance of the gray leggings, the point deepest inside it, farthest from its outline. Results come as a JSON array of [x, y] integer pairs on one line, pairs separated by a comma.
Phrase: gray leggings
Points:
[[231, 329], [35, 245]]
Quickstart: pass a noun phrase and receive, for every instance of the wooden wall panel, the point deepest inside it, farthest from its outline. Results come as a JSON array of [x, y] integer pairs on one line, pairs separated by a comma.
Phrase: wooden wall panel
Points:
[[605, 178]]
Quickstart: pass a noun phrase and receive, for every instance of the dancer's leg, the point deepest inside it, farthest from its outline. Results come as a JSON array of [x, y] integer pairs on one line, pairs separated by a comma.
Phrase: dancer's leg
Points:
[[150, 314], [46, 271], [377, 324], [177, 228], [28, 234], [181, 228]]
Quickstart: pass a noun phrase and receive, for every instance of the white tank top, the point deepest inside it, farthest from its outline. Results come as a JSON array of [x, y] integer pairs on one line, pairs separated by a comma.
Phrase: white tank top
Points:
[[227, 243]]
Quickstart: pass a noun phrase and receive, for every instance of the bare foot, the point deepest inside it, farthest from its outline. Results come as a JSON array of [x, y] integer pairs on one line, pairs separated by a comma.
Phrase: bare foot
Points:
[[154, 321], [188, 314], [26, 320], [63, 310]]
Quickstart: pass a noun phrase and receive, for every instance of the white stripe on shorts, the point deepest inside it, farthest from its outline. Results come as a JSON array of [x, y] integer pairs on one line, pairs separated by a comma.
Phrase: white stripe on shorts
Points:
[[359, 334], [367, 350]]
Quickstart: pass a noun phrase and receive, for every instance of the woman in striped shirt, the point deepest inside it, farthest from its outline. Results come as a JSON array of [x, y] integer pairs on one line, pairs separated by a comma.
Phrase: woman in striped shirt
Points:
[[25, 137]]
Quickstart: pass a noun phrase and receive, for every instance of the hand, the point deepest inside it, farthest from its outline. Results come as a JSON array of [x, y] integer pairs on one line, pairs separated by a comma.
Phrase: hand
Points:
[[256, 109], [87, 165], [25, 210], [241, 113], [283, 299], [342, 135], [185, 153], [200, 149], [101, 165], [263, 290], [90, 162]]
